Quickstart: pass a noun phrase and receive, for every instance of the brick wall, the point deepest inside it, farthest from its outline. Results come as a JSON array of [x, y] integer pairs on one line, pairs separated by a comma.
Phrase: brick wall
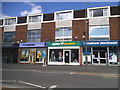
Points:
[[48, 32], [21, 33], [114, 28], [78, 27], [1, 34]]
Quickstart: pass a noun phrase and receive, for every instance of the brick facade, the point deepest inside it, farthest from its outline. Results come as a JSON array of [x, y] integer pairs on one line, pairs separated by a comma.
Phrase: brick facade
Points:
[[114, 28], [1, 34], [48, 32], [21, 33], [78, 27]]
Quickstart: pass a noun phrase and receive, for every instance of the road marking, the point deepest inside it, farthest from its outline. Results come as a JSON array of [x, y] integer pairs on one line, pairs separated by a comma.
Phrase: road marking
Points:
[[31, 84], [53, 86]]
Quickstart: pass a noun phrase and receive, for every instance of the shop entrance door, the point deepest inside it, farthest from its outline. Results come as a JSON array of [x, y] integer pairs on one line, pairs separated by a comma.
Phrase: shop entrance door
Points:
[[33, 57], [67, 56], [99, 56]]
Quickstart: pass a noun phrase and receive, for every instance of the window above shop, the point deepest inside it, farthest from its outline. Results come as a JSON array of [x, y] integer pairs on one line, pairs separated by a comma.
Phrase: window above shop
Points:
[[22, 20], [9, 36], [100, 12], [33, 35], [10, 21], [37, 18], [63, 34], [64, 15], [1, 22], [99, 33]]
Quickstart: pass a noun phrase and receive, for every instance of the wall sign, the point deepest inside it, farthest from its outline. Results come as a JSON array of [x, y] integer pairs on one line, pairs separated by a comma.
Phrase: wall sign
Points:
[[10, 45], [100, 43], [64, 43], [35, 44]]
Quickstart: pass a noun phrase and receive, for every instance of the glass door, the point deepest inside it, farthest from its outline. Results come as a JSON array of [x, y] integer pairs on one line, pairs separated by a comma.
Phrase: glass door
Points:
[[103, 57], [67, 57], [95, 57], [33, 57]]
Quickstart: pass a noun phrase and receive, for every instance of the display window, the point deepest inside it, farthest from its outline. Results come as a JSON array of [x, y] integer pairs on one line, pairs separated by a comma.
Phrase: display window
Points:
[[40, 55], [56, 55], [75, 56], [113, 59], [33, 55], [25, 56]]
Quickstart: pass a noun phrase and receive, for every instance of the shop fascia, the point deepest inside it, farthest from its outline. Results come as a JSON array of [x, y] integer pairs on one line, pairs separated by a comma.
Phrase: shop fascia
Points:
[[100, 43], [63, 43], [35, 44]]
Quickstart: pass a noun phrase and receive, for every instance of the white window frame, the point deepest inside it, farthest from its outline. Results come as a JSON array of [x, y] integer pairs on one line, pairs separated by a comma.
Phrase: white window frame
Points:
[[59, 12], [99, 36], [106, 7], [28, 20], [4, 21], [62, 37]]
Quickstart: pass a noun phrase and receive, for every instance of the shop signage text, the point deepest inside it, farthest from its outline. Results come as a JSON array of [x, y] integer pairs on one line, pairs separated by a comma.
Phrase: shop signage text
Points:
[[100, 43], [65, 43], [37, 44]]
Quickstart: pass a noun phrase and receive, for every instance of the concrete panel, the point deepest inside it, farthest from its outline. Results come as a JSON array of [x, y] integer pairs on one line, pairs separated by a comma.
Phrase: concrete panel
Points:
[[99, 21], [65, 23], [34, 26], [9, 28]]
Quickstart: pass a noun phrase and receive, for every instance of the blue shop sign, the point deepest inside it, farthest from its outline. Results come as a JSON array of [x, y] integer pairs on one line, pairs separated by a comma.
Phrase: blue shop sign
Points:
[[100, 43], [34, 44]]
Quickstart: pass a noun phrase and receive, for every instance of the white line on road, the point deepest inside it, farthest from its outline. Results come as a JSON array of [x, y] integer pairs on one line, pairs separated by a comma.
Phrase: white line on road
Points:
[[31, 84], [53, 86]]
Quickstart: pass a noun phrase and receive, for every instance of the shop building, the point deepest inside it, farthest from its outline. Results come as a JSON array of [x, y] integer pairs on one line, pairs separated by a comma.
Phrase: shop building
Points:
[[101, 52], [64, 53], [90, 24], [32, 53]]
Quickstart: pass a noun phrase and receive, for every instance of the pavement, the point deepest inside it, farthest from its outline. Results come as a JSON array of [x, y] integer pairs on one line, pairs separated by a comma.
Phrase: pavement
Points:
[[89, 69]]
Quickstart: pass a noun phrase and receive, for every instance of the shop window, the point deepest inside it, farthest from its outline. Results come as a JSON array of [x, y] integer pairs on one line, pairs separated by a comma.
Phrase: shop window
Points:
[[9, 36], [113, 59], [10, 21], [37, 18], [99, 33], [25, 56], [74, 56], [1, 22], [22, 20], [40, 55], [88, 53], [63, 34], [64, 15], [98, 12], [56, 55], [33, 35]]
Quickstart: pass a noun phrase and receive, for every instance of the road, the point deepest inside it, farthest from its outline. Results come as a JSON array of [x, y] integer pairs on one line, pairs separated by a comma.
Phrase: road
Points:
[[26, 78]]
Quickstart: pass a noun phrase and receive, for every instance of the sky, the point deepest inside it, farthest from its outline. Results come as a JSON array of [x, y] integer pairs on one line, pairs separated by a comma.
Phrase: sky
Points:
[[12, 9]]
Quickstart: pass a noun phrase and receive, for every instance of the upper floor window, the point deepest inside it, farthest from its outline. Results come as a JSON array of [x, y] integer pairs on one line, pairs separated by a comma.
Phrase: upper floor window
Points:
[[1, 22], [10, 21], [37, 18], [9, 36], [33, 35], [22, 20], [98, 12], [64, 16], [63, 34], [99, 33]]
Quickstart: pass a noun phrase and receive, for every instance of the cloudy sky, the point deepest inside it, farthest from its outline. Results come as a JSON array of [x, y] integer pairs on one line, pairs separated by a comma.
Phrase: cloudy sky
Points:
[[24, 8]]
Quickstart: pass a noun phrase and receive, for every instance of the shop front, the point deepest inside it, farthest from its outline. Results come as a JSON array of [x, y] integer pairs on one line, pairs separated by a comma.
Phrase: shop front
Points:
[[32, 53], [10, 52], [100, 52], [64, 53]]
